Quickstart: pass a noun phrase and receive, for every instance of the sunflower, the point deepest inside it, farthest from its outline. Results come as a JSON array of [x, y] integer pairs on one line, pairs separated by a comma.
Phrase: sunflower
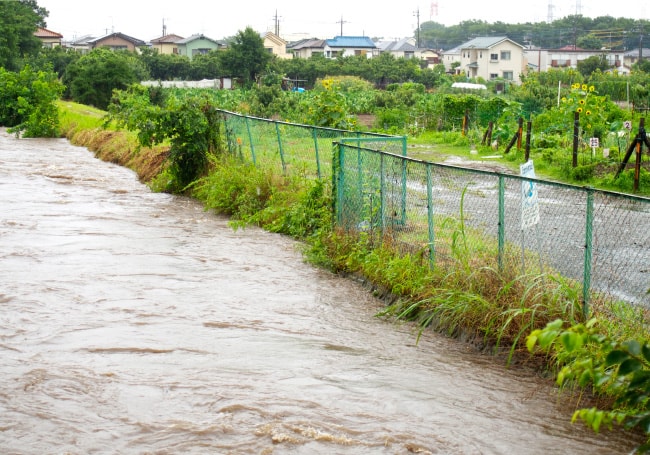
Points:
[[579, 110], [584, 86], [592, 88]]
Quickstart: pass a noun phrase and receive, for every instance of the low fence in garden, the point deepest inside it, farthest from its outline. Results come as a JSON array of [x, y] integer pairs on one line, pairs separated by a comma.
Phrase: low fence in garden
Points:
[[287, 146], [597, 240]]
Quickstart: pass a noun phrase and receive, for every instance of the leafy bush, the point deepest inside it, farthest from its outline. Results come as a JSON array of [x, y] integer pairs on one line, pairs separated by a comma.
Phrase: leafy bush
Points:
[[191, 124], [28, 102], [612, 366]]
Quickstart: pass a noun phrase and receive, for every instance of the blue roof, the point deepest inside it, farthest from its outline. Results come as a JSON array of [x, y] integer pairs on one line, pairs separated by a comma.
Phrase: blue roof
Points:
[[351, 41]]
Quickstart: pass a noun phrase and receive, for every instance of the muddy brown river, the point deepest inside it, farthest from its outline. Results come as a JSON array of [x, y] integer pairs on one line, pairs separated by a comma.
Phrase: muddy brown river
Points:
[[137, 323]]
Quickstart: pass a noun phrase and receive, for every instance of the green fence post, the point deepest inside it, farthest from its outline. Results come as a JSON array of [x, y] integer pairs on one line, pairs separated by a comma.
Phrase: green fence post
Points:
[[338, 177], [404, 185], [586, 280], [432, 245], [502, 217], [250, 139], [277, 132], [315, 136], [382, 194]]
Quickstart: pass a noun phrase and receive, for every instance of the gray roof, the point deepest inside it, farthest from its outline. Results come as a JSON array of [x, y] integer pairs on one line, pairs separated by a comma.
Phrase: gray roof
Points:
[[645, 53], [486, 42], [308, 43], [130, 39], [402, 45], [197, 37]]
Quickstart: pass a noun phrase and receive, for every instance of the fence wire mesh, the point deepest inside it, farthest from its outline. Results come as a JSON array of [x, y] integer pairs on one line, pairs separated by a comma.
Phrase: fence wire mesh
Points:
[[597, 240], [294, 148]]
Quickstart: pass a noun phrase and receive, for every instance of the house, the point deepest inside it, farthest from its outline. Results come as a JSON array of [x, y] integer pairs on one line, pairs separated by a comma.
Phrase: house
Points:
[[117, 41], [81, 44], [431, 56], [48, 37], [492, 57], [345, 46], [451, 60], [276, 45], [402, 48], [167, 44], [197, 45], [568, 57], [305, 48], [633, 56]]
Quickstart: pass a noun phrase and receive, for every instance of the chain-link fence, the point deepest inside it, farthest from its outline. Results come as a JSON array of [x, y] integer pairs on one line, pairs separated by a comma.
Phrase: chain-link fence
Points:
[[290, 147], [597, 239]]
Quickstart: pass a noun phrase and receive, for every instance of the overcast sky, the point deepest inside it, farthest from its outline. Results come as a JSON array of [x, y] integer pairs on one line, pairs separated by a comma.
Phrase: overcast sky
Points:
[[143, 19]]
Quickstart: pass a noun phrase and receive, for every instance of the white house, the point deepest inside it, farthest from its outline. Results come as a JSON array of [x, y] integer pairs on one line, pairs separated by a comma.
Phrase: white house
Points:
[[492, 57], [307, 47], [568, 57], [344, 46]]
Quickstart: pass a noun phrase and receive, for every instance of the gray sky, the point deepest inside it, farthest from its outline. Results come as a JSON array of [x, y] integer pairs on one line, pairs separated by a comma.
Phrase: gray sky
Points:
[[143, 19]]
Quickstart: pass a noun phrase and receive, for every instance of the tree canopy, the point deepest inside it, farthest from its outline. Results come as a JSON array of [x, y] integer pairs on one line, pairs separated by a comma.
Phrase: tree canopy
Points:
[[246, 58], [18, 21]]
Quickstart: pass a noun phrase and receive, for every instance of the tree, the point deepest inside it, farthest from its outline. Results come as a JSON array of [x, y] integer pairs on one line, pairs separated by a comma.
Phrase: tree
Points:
[[589, 41], [28, 102], [207, 66], [246, 57], [591, 64], [165, 67], [94, 76], [19, 19]]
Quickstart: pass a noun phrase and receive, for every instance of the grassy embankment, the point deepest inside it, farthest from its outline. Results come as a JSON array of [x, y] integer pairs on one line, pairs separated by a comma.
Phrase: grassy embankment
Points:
[[494, 310]]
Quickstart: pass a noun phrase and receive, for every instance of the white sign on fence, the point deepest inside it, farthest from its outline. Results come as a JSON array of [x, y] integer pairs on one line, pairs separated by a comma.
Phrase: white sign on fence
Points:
[[529, 199]]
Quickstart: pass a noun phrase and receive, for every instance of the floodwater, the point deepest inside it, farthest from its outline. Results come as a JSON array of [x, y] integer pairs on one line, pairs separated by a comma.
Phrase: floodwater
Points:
[[135, 323]]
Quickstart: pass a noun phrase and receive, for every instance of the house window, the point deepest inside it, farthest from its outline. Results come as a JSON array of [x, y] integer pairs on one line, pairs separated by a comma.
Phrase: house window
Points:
[[269, 50], [508, 75], [409, 54], [200, 51], [494, 57], [494, 75], [175, 50], [505, 55]]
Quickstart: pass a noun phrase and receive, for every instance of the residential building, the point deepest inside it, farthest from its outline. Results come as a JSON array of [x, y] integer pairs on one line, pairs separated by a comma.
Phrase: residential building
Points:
[[345, 46], [631, 57], [276, 45], [305, 48], [81, 44], [48, 37], [493, 57], [451, 60], [431, 56], [401, 48], [197, 44], [167, 44], [117, 41], [568, 57]]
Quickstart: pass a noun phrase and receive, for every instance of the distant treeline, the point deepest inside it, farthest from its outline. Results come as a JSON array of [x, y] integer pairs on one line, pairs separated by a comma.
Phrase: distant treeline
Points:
[[577, 30]]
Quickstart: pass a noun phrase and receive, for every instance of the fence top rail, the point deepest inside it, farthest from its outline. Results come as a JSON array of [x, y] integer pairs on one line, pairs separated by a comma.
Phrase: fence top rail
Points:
[[585, 189], [311, 127]]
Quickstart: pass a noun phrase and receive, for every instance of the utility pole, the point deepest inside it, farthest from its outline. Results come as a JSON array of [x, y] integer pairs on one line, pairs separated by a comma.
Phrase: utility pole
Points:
[[417, 14], [341, 22], [276, 21]]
